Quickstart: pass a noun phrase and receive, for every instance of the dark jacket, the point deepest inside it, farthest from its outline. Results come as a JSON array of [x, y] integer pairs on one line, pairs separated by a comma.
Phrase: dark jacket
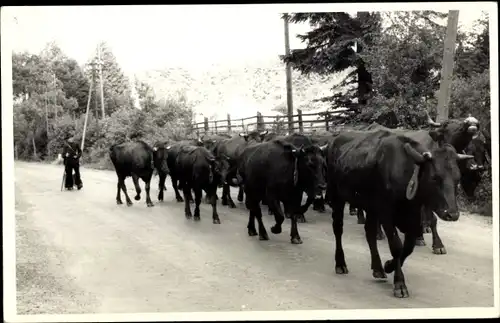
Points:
[[71, 151]]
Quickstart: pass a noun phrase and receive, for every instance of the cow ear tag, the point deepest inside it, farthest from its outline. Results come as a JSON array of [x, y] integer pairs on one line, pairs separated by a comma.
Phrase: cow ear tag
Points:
[[411, 189]]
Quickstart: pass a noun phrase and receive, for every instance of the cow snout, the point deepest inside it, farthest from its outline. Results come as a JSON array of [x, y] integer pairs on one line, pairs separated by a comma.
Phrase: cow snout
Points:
[[450, 216]]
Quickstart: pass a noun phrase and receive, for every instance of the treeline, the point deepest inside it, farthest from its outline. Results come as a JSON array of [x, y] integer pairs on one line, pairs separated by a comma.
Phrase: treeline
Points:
[[51, 93]]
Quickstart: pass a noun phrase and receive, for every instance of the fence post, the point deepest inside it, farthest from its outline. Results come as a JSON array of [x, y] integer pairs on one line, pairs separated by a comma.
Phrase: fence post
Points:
[[327, 125], [206, 125], [259, 121], [228, 124], [301, 125], [215, 126], [242, 126]]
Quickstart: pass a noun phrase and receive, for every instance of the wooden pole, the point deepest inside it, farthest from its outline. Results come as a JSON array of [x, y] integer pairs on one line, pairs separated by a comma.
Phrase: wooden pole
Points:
[[99, 61], [447, 66], [86, 115], [289, 96], [45, 99], [301, 124]]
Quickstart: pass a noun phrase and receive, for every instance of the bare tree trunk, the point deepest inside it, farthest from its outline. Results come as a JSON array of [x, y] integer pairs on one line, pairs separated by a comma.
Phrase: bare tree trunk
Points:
[[34, 147]]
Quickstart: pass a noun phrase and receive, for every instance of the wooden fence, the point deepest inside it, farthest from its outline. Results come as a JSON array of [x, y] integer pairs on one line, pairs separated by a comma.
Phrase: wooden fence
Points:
[[302, 122]]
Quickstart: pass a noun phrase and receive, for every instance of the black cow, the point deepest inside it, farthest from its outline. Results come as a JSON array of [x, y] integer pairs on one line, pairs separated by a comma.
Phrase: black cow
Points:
[[172, 150], [455, 132], [136, 159], [279, 172], [232, 149], [197, 169], [391, 177], [300, 140]]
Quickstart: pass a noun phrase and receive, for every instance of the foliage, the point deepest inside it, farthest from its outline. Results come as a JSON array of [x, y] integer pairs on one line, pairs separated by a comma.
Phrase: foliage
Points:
[[51, 94]]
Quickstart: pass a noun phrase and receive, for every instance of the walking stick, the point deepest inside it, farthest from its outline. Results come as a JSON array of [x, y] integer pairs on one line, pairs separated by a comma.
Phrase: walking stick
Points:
[[64, 177]]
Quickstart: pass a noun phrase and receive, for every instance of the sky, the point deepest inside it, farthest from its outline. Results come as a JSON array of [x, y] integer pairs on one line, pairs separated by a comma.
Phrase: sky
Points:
[[146, 37]]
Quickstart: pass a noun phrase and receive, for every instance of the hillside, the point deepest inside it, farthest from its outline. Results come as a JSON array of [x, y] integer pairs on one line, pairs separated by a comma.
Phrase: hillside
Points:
[[239, 90]]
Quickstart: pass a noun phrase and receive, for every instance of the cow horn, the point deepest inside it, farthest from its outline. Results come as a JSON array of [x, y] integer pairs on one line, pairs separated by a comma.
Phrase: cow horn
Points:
[[462, 156], [427, 155], [263, 133], [430, 121], [323, 147]]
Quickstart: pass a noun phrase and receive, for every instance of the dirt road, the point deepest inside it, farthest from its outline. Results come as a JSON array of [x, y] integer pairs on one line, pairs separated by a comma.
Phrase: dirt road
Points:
[[79, 252]]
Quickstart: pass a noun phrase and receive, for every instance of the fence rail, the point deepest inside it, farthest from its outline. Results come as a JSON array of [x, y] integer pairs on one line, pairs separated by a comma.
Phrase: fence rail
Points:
[[303, 122]]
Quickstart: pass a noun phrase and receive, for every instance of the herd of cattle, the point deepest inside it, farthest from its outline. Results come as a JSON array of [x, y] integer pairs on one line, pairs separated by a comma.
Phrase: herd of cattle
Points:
[[391, 178]]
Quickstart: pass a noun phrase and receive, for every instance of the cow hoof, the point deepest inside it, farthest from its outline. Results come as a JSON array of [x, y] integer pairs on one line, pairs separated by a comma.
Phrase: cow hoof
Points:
[[388, 267], [353, 213], [301, 218], [119, 202], [216, 221], [361, 221], [188, 216], [269, 212], [160, 198], [439, 251], [427, 229], [252, 233], [276, 229], [179, 199], [196, 218], [420, 242], [240, 199], [129, 203], [296, 240], [400, 290], [341, 270], [224, 202], [232, 205], [378, 274], [150, 204], [137, 197], [264, 237], [380, 236]]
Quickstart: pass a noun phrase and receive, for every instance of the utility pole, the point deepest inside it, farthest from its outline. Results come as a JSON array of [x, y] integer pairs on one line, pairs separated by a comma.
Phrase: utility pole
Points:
[[45, 100], [55, 95], [447, 66], [87, 114], [289, 96], [99, 64]]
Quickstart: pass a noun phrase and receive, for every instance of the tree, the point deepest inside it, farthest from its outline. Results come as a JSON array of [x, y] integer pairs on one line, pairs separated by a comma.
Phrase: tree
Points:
[[330, 47], [116, 85]]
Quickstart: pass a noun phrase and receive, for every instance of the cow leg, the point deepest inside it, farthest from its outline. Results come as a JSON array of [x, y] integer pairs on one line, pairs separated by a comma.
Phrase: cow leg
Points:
[[303, 208], [213, 201], [161, 185], [294, 231], [198, 193], [262, 229], [207, 198], [226, 196], [380, 233], [361, 216], [279, 216], [437, 245], [251, 218], [338, 229], [124, 189], [400, 290], [147, 187], [178, 197], [118, 193], [371, 227], [420, 238], [186, 190], [240, 194], [135, 179]]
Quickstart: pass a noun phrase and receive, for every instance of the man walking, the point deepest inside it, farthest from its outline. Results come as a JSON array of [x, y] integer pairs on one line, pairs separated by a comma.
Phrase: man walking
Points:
[[71, 155]]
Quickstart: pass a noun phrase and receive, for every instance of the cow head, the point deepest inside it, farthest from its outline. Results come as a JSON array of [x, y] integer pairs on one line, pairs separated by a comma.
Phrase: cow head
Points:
[[256, 136], [310, 168], [457, 133], [160, 153], [439, 176], [219, 167]]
